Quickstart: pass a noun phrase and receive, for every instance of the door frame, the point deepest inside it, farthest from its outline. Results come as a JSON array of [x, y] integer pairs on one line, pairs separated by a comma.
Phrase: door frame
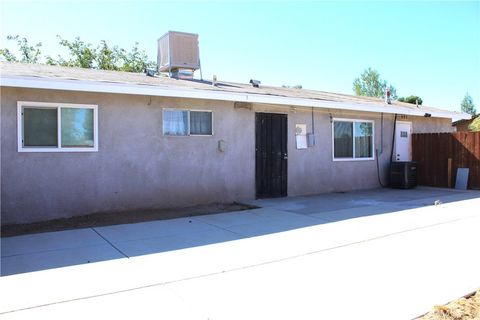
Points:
[[410, 123], [284, 185]]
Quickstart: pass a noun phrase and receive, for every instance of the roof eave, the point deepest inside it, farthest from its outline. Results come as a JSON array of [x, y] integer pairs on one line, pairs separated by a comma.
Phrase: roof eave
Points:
[[151, 90]]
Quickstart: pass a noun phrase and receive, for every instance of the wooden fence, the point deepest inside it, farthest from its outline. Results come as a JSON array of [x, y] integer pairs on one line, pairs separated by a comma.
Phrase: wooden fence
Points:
[[438, 155]]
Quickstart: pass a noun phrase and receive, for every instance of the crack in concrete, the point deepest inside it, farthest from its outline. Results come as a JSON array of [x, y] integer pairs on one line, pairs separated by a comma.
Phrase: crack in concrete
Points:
[[110, 243]]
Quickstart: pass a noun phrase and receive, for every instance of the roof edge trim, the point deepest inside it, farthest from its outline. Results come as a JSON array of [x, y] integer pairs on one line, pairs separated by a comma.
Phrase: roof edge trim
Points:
[[140, 89]]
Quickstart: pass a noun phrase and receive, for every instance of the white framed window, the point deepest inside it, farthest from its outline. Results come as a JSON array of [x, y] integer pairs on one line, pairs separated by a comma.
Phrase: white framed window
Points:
[[352, 139], [57, 127], [178, 122]]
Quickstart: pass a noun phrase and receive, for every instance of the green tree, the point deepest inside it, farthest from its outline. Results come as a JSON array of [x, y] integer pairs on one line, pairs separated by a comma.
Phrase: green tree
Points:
[[135, 60], [83, 55], [475, 125], [411, 99], [8, 55], [371, 85], [467, 105], [103, 57], [107, 58], [28, 53]]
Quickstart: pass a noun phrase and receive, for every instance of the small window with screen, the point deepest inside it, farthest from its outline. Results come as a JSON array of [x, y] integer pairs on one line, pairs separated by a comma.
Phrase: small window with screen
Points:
[[187, 122]]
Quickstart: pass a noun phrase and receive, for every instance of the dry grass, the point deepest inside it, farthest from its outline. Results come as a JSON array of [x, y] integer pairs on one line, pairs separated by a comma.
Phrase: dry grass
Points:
[[461, 309]]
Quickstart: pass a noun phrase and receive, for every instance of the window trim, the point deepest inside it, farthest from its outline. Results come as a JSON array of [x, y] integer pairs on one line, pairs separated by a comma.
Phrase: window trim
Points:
[[188, 123], [22, 104], [353, 144]]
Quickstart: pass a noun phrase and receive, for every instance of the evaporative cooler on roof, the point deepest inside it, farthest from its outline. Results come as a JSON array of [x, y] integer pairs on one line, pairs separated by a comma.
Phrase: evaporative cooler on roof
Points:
[[178, 51]]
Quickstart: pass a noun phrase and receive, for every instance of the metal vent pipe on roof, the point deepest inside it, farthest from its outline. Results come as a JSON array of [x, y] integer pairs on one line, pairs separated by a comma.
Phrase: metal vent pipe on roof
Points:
[[388, 100], [255, 83]]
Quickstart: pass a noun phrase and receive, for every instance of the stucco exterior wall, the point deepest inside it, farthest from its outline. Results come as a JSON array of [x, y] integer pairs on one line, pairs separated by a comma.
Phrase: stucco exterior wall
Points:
[[135, 167], [429, 125], [138, 167], [313, 171]]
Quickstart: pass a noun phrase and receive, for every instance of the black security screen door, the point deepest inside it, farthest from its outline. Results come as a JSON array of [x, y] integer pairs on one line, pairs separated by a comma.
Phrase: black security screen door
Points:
[[271, 155]]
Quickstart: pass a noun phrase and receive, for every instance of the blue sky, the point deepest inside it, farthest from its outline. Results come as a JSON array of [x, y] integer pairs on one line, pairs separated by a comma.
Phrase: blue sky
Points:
[[430, 49]]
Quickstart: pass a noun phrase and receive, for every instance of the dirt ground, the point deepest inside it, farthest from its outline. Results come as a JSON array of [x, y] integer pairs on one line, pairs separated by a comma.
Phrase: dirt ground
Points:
[[112, 218], [467, 308]]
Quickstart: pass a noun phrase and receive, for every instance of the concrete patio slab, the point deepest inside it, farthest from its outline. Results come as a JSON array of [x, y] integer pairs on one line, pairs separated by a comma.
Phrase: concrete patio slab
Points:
[[225, 220], [140, 247], [357, 212], [49, 241], [58, 258], [275, 225], [367, 280], [405, 255], [152, 229], [419, 197]]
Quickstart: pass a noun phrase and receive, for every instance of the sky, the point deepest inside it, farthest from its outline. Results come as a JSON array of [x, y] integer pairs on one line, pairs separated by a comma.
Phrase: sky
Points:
[[426, 48]]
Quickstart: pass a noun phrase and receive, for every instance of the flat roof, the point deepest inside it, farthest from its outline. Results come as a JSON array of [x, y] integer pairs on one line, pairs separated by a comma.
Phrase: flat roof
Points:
[[41, 76]]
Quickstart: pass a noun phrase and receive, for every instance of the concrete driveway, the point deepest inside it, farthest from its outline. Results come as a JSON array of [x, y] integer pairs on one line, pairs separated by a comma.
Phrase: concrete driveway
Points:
[[376, 254]]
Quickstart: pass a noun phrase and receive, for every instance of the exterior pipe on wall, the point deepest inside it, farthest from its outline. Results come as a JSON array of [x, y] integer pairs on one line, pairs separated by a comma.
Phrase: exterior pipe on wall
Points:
[[381, 134], [313, 123], [378, 170], [378, 153], [311, 135], [393, 138]]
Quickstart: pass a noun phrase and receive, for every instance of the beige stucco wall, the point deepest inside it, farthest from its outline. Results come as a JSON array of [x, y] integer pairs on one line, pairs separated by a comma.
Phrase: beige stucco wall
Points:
[[312, 170], [429, 125], [137, 167]]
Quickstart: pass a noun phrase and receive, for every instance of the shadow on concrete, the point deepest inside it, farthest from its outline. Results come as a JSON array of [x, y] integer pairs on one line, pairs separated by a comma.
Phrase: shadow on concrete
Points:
[[44, 251]]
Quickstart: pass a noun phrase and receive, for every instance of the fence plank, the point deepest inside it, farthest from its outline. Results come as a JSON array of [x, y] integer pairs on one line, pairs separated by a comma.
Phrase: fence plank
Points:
[[432, 150]]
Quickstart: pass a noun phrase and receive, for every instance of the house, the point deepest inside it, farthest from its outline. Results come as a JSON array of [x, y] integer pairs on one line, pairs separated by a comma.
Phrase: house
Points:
[[79, 141], [464, 124]]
